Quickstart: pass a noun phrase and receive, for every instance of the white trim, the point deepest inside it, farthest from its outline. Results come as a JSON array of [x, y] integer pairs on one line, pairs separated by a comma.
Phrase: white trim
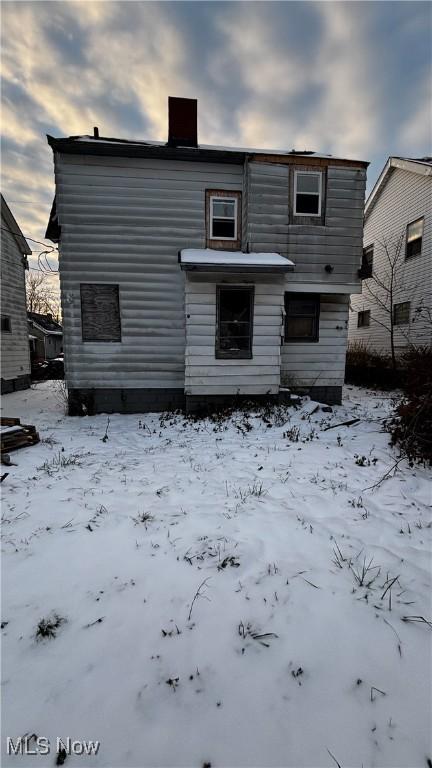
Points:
[[218, 199], [312, 173], [415, 166]]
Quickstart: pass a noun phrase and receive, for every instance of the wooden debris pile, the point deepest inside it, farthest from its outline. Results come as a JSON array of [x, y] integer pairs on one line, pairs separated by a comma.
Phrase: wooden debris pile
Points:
[[15, 435]]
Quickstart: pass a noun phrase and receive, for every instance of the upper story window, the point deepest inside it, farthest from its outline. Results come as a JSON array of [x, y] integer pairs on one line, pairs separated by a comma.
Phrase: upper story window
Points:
[[414, 237], [307, 193], [223, 219], [401, 313], [367, 262]]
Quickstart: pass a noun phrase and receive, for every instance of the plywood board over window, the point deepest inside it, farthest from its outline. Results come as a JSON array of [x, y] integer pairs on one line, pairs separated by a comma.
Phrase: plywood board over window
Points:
[[100, 312], [223, 219]]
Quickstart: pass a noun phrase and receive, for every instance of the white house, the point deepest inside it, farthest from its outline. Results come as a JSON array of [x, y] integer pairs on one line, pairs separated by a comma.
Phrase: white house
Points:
[[15, 353], [46, 336], [194, 273], [398, 214]]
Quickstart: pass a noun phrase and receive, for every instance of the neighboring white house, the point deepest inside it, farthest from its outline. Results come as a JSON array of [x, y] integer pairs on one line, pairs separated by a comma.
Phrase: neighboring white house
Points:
[[399, 208], [15, 353], [46, 336], [190, 273]]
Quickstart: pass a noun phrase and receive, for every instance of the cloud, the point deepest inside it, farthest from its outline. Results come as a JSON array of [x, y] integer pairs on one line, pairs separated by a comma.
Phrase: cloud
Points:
[[329, 76]]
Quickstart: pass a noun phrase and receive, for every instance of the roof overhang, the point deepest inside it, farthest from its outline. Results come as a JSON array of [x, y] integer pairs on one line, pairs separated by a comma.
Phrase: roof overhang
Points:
[[53, 229], [88, 145], [209, 260], [405, 164], [14, 228]]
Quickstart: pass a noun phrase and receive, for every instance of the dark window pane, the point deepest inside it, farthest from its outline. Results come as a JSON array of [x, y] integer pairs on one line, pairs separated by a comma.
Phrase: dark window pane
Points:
[[100, 312], [300, 327], [307, 204], [363, 318], [6, 324], [234, 332], [401, 313], [301, 317], [223, 228], [413, 247]]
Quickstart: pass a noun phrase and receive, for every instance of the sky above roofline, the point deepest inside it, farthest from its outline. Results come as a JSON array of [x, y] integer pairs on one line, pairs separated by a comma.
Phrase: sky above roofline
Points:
[[351, 79]]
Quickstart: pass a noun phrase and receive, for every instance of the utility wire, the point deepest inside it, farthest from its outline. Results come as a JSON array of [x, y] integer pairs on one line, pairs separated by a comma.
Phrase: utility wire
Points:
[[26, 237]]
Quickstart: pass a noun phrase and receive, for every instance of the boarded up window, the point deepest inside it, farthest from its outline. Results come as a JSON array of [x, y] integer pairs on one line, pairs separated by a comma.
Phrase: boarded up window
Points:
[[100, 312]]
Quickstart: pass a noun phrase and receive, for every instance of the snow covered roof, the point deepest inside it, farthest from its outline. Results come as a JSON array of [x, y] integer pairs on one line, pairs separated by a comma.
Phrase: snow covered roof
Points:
[[207, 259], [45, 323], [419, 165]]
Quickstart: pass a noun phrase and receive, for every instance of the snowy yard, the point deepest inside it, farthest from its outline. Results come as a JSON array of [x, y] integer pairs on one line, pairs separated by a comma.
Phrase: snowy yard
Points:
[[290, 651]]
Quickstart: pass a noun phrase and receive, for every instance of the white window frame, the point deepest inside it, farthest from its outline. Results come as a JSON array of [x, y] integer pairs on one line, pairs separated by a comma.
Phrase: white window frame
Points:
[[312, 173], [219, 198]]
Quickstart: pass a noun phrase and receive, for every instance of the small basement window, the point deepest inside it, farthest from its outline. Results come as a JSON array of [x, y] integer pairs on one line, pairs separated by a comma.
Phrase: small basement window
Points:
[[234, 322], [302, 317], [363, 318], [100, 312], [401, 313], [307, 193], [367, 262], [6, 324], [414, 238]]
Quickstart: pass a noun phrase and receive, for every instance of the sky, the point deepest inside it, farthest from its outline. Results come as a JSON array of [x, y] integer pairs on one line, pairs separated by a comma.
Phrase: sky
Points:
[[349, 78]]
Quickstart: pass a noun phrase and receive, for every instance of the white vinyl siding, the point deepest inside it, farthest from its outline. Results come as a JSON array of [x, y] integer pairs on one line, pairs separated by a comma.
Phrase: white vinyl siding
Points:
[[311, 247], [205, 374], [15, 350], [405, 198], [321, 363], [123, 221]]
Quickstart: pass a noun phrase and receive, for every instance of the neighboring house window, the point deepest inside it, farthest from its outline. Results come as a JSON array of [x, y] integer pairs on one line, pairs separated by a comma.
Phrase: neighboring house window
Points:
[[302, 317], [234, 321], [307, 193], [363, 319], [223, 216], [401, 313], [100, 312], [367, 262], [6, 324], [414, 237]]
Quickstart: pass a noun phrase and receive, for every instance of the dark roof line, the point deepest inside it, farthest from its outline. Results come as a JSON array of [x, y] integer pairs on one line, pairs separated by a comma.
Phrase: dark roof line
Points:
[[128, 148]]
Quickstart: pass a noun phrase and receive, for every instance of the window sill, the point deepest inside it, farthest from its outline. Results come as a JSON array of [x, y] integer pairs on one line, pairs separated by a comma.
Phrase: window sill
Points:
[[300, 341], [233, 356]]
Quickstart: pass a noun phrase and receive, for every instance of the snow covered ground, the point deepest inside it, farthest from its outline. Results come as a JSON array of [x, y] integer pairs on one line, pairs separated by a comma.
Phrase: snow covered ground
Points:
[[287, 654]]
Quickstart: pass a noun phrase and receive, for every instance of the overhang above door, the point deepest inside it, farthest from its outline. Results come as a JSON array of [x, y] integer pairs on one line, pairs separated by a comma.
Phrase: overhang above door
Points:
[[208, 260]]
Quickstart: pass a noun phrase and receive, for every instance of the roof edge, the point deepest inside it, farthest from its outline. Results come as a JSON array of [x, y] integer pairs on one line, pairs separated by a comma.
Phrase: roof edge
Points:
[[14, 229], [123, 148], [414, 166]]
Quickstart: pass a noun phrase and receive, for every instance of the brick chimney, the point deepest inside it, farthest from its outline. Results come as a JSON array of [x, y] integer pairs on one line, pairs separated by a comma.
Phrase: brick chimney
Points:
[[182, 122]]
